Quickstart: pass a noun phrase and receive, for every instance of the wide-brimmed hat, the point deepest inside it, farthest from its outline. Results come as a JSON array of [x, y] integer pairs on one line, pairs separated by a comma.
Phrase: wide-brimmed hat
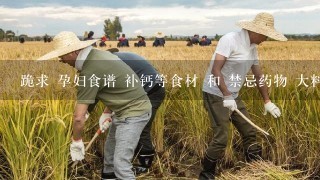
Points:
[[263, 23], [159, 35], [64, 43]]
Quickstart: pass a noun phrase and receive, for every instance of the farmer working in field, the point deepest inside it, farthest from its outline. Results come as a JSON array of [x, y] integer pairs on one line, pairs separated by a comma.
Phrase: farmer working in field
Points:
[[235, 54], [130, 104], [159, 41], [156, 93]]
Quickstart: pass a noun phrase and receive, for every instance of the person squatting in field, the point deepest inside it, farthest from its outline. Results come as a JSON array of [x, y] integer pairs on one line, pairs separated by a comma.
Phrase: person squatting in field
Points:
[[156, 93], [123, 41], [130, 104], [141, 42], [159, 41], [235, 54]]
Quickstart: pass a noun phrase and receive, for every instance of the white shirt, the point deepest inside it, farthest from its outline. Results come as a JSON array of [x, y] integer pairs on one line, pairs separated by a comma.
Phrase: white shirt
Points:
[[241, 56], [82, 56]]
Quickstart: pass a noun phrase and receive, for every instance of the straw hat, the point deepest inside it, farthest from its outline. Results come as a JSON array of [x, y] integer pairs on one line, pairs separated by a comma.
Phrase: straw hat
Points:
[[263, 23], [159, 35], [64, 43]]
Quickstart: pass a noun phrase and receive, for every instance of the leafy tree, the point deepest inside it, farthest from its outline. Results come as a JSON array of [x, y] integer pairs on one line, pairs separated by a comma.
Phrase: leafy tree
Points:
[[10, 33], [107, 27], [217, 37], [112, 28], [117, 26], [113, 33]]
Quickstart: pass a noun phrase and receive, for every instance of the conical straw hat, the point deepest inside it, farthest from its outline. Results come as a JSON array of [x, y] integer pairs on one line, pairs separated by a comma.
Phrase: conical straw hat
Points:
[[159, 35], [263, 23], [64, 43]]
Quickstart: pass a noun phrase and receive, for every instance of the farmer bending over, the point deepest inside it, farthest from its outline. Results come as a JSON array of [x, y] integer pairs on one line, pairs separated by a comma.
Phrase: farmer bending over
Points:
[[130, 104]]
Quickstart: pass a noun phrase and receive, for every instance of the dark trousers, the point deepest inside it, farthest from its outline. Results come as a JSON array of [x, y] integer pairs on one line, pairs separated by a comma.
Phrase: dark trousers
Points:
[[221, 117], [145, 146]]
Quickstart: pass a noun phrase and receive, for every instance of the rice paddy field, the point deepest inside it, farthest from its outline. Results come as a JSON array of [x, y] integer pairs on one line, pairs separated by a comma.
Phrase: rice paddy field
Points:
[[36, 122]]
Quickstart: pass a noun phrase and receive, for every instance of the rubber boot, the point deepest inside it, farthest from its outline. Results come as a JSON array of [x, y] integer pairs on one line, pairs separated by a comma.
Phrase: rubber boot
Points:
[[145, 163], [108, 176], [209, 169], [253, 155]]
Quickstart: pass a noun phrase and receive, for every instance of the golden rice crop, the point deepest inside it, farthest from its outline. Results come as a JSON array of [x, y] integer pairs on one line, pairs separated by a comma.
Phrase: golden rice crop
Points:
[[35, 134]]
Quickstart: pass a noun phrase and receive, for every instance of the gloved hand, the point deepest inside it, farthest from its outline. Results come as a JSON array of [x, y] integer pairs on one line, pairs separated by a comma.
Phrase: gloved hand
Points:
[[87, 116], [77, 150], [105, 121], [229, 102], [272, 109]]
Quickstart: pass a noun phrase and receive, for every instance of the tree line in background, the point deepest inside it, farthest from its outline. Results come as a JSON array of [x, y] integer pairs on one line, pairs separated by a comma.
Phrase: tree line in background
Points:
[[10, 36], [112, 29], [6, 35], [296, 37]]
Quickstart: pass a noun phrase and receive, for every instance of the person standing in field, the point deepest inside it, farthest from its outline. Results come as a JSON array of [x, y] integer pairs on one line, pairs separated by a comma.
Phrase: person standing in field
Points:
[[235, 54], [130, 104]]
